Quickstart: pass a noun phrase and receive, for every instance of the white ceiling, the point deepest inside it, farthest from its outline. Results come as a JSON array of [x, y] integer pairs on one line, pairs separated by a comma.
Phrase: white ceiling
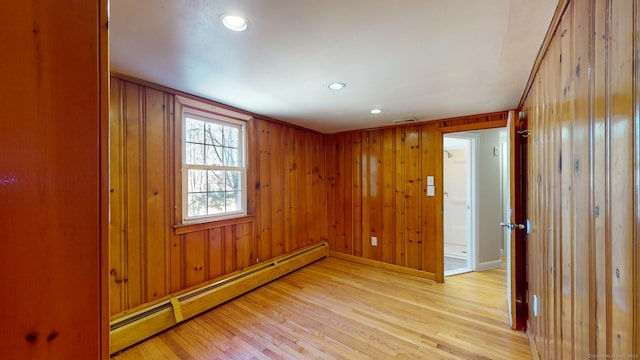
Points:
[[423, 59]]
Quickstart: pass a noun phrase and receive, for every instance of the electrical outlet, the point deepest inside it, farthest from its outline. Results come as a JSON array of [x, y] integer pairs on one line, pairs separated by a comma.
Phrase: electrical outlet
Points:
[[374, 241]]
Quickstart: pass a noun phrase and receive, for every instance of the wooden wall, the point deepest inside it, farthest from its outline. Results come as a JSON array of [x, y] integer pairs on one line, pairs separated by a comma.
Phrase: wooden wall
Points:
[[584, 182], [54, 84], [150, 258], [377, 187]]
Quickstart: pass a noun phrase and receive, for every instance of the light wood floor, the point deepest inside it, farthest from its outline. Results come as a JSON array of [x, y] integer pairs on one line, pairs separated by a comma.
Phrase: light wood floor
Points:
[[335, 309]]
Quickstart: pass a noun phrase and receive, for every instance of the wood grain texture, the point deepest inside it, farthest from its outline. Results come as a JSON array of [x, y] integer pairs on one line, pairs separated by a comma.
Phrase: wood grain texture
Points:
[[377, 187], [584, 122], [53, 139], [342, 310], [149, 321], [153, 255]]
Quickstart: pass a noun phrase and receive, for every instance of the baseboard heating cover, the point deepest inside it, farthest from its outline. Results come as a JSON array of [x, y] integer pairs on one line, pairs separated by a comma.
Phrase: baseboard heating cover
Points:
[[137, 326]]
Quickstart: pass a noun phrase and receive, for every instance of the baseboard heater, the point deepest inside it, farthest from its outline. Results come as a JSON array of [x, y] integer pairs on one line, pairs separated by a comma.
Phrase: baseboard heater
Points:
[[137, 326]]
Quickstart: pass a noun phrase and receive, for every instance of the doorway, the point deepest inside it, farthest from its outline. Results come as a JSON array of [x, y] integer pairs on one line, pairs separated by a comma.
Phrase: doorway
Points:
[[475, 200], [459, 215]]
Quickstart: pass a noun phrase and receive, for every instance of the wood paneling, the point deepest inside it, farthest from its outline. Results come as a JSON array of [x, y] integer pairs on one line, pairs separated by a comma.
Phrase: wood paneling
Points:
[[53, 144], [151, 254], [151, 320], [377, 187], [141, 168], [583, 180]]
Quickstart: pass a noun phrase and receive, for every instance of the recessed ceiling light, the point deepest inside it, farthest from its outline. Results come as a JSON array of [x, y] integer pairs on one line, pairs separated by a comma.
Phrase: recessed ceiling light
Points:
[[375, 111], [337, 86], [235, 22]]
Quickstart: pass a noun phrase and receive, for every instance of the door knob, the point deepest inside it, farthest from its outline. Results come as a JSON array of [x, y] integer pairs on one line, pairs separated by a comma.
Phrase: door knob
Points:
[[512, 226]]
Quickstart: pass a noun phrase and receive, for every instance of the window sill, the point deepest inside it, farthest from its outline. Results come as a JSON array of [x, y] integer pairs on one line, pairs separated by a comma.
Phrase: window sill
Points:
[[188, 228]]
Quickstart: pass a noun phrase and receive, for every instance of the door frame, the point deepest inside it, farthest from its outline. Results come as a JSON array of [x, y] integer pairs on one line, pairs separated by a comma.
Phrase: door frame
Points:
[[517, 171], [518, 198], [472, 219]]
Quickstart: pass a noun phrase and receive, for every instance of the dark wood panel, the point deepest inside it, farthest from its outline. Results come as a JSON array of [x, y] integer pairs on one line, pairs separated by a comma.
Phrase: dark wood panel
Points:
[[54, 214]]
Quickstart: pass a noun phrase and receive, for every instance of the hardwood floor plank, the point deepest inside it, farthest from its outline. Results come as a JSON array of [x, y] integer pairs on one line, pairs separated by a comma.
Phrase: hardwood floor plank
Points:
[[336, 309]]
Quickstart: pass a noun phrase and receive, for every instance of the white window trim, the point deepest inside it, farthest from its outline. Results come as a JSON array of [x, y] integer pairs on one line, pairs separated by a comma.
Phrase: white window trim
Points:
[[199, 114]]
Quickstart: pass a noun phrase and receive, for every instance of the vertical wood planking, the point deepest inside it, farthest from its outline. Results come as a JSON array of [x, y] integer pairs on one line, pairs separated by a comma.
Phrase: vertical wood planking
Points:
[[400, 183], [293, 193], [356, 192], [170, 185], [382, 174], [242, 240], [176, 259], [277, 190], [431, 206], [134, 188], [194, 258], [309, 172], [300, 173], [413, 193], [288, 142], [566, 176], [286, 198], [620, 178], [264, 197], [230, 250], [552, 253], [156, 177], [636, 170], [376, 193], [599, 129], [581, 35], [345, 187], [388, 188], [331, 160], [117, 200], [594, 212], [215, 251], [365, 195], [546, 306], [320, 191]]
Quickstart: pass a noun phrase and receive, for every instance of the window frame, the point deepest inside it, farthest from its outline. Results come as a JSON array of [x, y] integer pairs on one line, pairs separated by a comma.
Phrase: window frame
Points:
[[206, 116]]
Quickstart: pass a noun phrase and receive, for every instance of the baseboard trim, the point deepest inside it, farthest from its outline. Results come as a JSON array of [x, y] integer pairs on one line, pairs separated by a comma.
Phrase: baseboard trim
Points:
[[383, 265], [496, 264], [137, 326]]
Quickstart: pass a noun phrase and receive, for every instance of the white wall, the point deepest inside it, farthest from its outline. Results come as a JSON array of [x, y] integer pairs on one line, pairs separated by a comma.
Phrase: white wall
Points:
[[489, 196]]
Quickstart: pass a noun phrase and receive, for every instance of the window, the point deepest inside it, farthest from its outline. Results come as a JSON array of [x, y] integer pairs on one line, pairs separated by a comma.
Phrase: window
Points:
[[213, 167]]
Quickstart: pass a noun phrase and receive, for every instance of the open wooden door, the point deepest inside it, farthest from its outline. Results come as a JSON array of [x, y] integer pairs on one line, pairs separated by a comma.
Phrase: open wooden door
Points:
[[517, 264]]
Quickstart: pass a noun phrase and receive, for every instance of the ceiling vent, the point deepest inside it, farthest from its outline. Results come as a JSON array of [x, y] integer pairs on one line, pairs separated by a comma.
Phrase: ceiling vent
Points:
[[405, 121]]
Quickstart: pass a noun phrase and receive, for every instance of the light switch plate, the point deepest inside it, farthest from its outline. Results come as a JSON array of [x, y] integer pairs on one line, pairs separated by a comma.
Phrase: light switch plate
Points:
[[430, 180]]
